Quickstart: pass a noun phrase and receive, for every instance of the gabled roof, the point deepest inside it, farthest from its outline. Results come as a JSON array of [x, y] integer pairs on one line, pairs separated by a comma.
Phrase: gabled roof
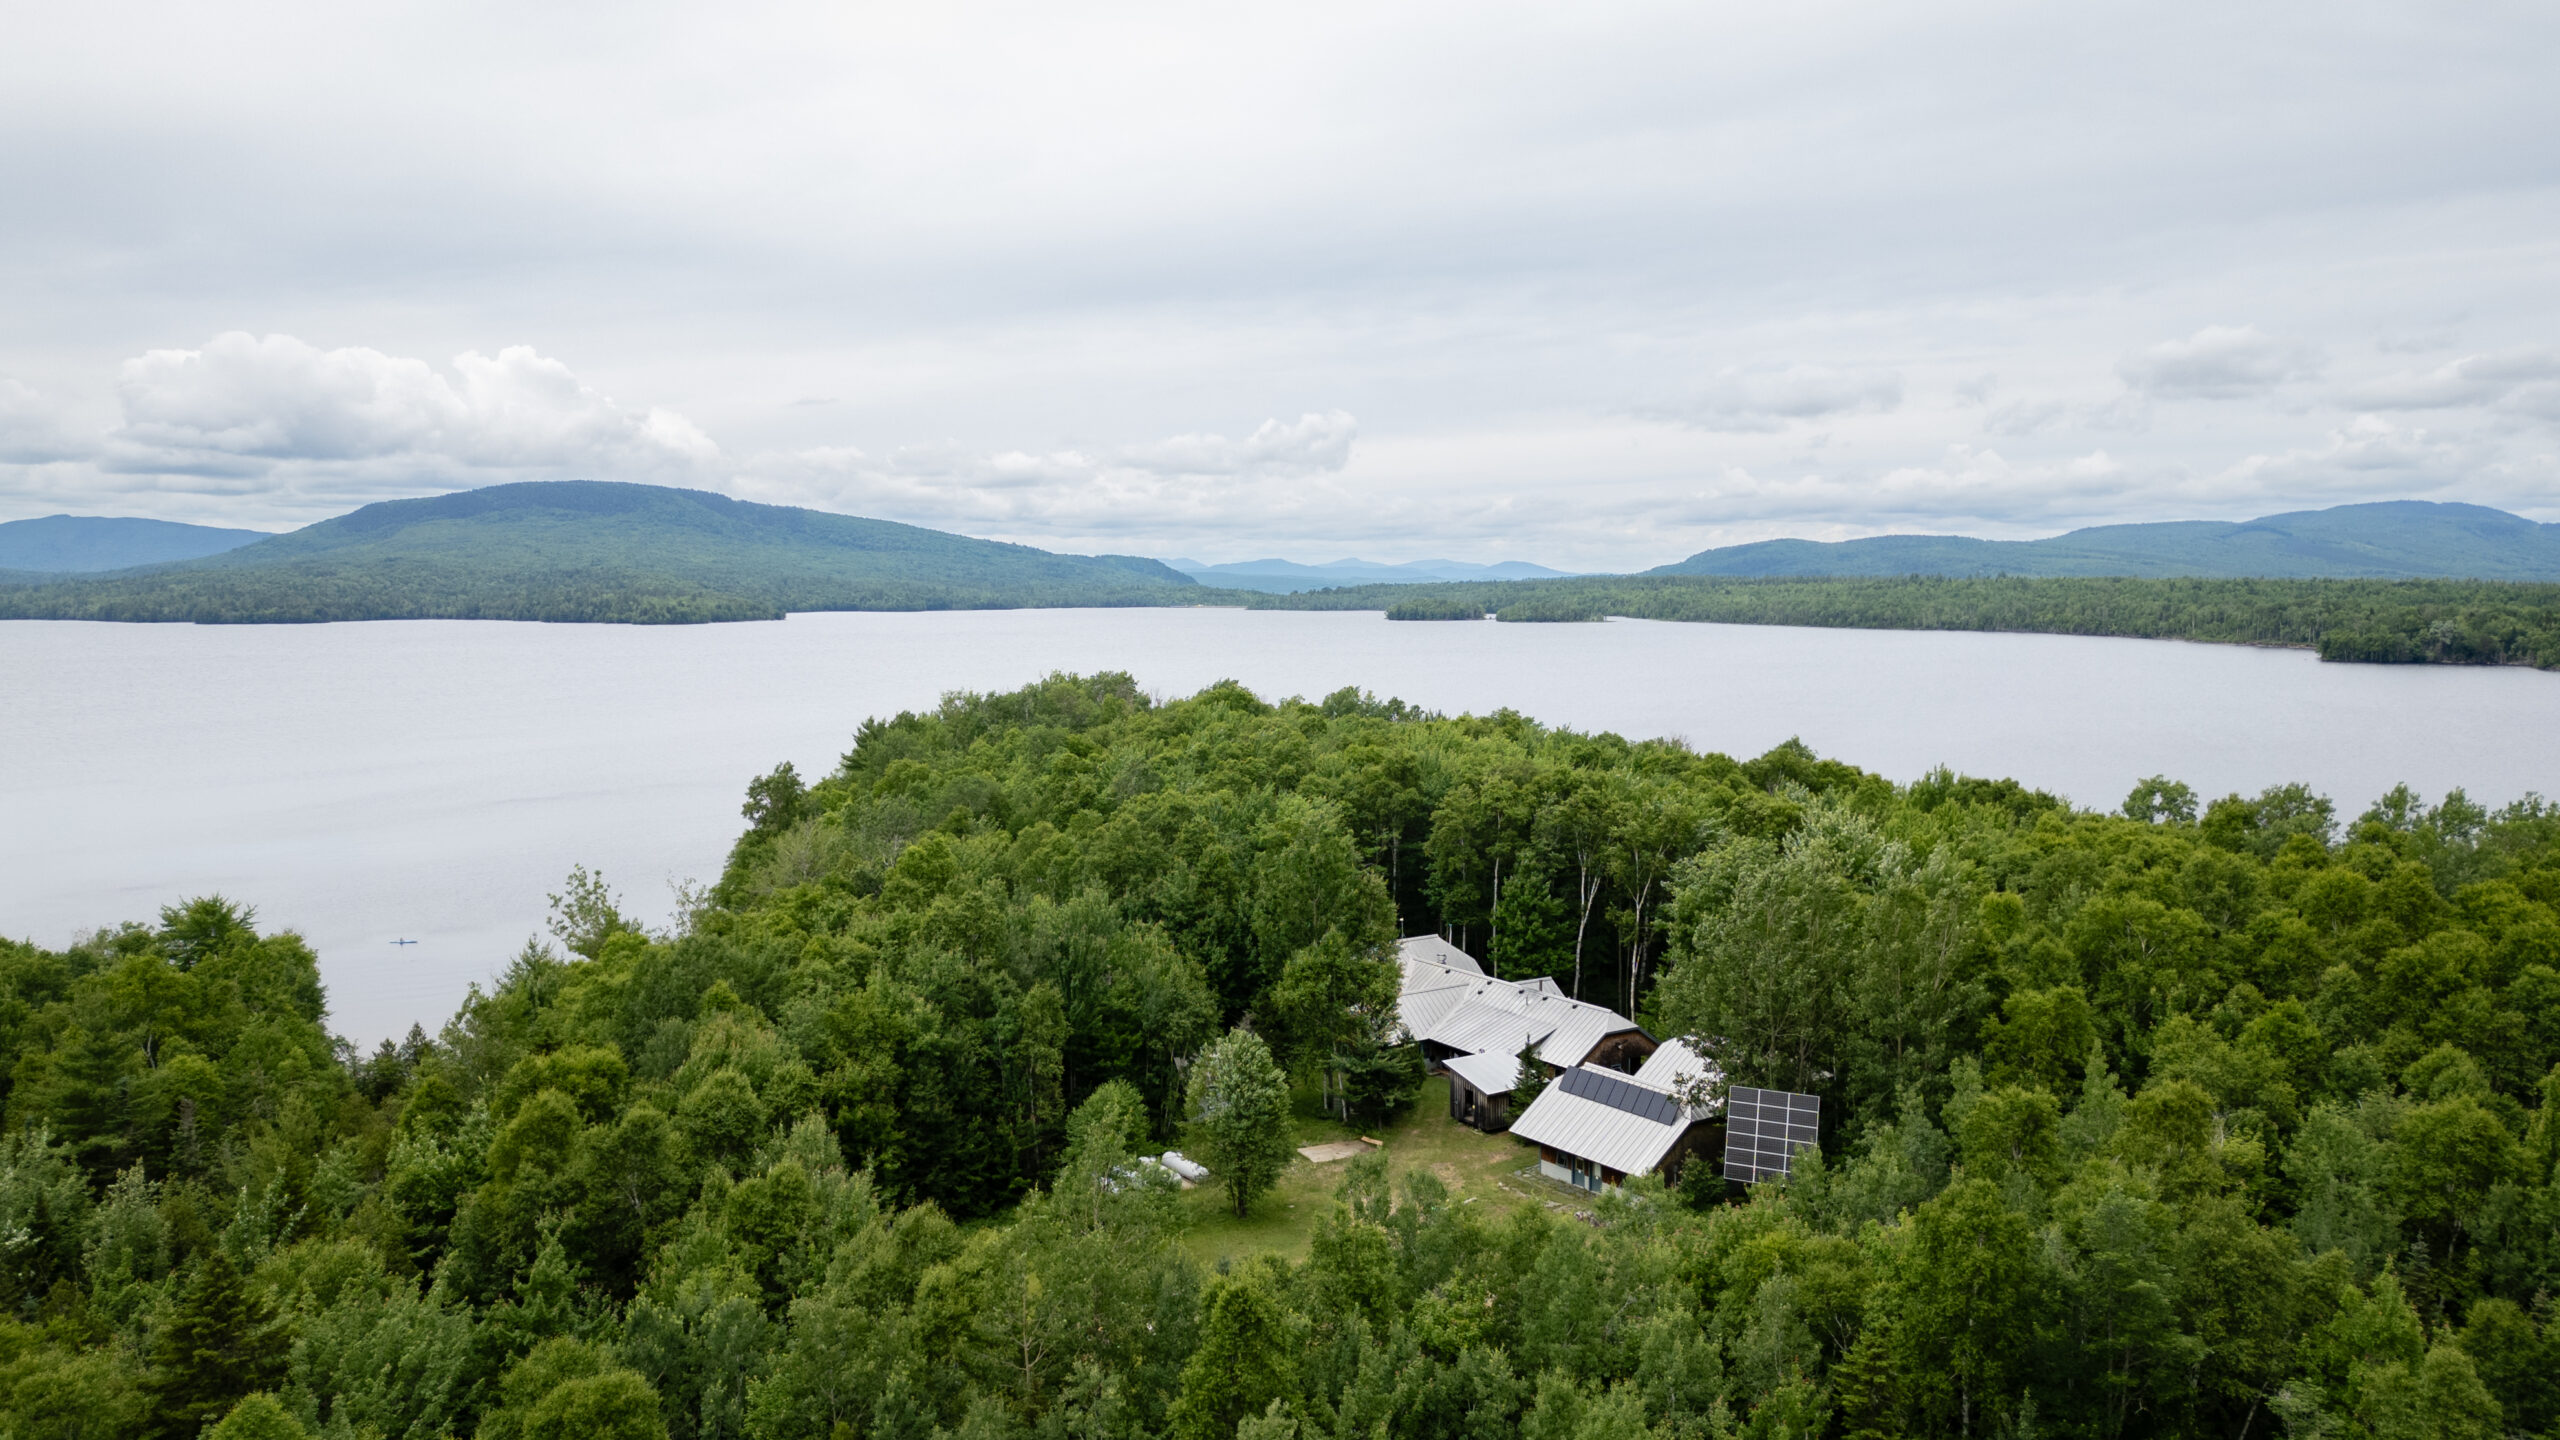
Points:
[[1604, 1116], [1437, 951], [1494, 1072], [1480, 1028], [1674, 1062], [1431, 993], [1465, 1009]]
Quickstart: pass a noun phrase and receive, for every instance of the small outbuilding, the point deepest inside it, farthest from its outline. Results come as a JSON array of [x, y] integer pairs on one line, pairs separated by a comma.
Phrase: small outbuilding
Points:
[[1480, 1089]]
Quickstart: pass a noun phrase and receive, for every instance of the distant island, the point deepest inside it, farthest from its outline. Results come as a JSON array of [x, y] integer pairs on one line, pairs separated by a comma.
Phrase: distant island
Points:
[[2395, 582]]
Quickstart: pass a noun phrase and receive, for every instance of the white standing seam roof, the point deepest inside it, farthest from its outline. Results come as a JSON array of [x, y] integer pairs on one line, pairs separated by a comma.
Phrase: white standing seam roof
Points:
[[1471, 1011], [1601, 1115], [1429, 994], [1493, 1072], [1438, 952], [1481, 1029], [1673, 1063]]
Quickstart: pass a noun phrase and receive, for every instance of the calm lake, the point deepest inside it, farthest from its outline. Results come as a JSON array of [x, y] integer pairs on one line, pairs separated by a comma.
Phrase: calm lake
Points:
[[432, 780]]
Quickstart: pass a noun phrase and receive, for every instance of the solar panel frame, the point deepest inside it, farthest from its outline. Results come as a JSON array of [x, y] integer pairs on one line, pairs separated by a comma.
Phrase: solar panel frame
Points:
[[1765, 1128]]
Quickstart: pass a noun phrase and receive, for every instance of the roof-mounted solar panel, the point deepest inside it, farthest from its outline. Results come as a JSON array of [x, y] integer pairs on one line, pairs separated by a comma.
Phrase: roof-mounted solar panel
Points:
[[1603, 1087], [1763, 1130]]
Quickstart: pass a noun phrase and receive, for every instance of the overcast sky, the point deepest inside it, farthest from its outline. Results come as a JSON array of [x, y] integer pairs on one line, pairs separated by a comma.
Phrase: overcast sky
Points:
[[1592, 284]]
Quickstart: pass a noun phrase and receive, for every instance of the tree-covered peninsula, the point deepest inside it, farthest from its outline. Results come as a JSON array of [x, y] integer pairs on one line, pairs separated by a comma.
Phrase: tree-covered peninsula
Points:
[[2231, 1116], [2401, 622]]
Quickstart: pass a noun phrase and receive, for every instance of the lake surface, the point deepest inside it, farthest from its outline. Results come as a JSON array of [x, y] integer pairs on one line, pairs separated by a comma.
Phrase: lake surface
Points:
[[432, 780]]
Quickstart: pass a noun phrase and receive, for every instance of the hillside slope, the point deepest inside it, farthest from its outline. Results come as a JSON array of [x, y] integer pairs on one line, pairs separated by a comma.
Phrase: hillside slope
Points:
[[590, 550], [2392, 540], [77, 544]]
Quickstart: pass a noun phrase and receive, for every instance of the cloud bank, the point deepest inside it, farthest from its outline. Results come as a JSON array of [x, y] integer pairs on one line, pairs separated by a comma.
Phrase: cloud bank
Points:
[[1603, 284], [304, 432], [1766, 400], [2218, 362], [247, 409]]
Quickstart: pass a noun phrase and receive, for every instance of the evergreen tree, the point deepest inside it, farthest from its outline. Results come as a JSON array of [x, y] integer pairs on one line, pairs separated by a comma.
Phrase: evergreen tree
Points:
[[220, 1344], [1532, 1082], [1533, 926], [91, 1100]]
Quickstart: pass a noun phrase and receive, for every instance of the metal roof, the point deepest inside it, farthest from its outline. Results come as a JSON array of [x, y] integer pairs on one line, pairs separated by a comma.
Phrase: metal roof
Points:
[[1599, 1130], [1482, 1029], [1434, 950], [1430, 993], [1493, 1072], [1578, 1027], [1674, 1063], [1468, 1010]]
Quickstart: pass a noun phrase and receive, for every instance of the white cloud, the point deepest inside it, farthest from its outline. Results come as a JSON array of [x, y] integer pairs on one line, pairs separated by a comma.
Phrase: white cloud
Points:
[[1759, 400], [2526, 380], [2373, 458], [244, 407], [2026, 417], [34, 431], [2218, 362], [1185, 483], [1310, 443], [1969, 480]]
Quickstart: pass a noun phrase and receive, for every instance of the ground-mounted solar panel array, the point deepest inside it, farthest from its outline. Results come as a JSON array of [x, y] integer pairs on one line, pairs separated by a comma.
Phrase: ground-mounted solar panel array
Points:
[[1763, 1129], [1619, 1093]]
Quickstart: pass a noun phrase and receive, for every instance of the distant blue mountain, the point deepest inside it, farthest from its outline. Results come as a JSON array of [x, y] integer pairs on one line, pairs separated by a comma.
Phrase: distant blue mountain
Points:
[[591, 550], [79, 544], [1287, 577], [2394, 539]]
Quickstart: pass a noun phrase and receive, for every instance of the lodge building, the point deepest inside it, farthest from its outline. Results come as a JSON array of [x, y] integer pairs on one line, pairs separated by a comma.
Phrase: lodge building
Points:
[[1608, 1107]]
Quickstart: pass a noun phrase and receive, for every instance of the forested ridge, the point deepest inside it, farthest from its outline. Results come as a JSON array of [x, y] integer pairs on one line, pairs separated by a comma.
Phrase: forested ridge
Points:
[[2441, 622], [589, 551], [581, 551], [2228, 1118]]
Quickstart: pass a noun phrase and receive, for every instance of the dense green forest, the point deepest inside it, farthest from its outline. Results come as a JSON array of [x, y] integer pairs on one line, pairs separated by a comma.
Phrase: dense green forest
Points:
[[2444, 622], [2229, 1118], [590, 551]]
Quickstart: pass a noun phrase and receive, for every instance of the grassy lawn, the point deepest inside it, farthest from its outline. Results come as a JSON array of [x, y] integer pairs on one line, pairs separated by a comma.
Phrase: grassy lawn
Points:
[[1479, 1169]]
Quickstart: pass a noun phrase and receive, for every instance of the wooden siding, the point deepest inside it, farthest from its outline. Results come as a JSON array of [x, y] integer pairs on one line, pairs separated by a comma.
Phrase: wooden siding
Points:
[[1623, 1051], [1470, 1106]]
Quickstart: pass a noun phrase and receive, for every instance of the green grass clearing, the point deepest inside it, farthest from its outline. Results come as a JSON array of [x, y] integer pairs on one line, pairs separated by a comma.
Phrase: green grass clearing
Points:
[[1479, 1170]]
